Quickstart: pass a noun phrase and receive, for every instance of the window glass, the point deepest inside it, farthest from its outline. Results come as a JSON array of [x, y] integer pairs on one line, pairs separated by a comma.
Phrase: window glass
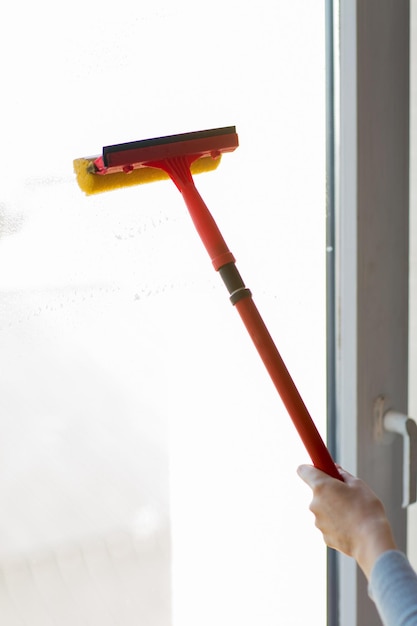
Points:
[[145, 456]]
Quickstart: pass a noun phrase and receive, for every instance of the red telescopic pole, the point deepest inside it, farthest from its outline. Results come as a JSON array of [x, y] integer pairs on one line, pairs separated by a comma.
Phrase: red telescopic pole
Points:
[[224, 262]]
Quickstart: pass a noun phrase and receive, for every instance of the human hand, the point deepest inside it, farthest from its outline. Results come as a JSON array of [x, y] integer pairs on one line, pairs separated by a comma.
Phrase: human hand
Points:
[[350, 516]]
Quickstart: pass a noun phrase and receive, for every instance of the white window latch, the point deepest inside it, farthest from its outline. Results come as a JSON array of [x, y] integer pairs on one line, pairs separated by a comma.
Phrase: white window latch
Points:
[[395, 422]]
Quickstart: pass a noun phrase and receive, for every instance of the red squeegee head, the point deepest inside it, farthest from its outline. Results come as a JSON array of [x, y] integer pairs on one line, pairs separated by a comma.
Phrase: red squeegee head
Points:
[[174, 155]]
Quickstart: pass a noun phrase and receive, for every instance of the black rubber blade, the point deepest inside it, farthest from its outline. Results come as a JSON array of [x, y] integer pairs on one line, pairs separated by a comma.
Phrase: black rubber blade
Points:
[[169, 139]]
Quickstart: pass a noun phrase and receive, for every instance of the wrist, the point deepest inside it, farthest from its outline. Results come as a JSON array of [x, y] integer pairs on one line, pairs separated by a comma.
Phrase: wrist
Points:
[[375, 539]]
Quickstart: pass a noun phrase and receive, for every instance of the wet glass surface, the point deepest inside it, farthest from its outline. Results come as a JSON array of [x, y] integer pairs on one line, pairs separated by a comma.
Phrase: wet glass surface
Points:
[[132, 403]]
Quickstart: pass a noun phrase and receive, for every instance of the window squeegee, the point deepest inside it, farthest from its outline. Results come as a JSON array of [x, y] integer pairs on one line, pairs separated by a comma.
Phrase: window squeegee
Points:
[[179, 157]]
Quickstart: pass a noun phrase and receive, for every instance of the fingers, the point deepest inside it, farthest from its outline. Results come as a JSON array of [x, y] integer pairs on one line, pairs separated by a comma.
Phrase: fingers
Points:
[[312, 476], [344, 473]]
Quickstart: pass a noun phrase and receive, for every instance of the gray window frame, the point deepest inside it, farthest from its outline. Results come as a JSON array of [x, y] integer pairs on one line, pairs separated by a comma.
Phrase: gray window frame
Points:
[[368, 234]]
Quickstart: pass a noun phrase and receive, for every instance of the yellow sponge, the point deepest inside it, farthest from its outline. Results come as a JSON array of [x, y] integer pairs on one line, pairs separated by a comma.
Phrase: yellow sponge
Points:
[[92, 183]]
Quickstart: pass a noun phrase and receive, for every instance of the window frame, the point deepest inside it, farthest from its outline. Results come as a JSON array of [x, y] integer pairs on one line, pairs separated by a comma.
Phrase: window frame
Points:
[[368, 340]]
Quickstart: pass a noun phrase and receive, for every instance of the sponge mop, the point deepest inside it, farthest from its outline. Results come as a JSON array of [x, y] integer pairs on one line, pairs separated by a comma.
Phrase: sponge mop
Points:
[[91, 183], [139, 162]]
